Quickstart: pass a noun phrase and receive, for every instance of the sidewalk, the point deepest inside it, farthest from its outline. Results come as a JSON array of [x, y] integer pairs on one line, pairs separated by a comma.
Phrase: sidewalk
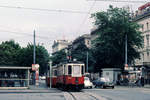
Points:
[[145, 86], [42, 88]]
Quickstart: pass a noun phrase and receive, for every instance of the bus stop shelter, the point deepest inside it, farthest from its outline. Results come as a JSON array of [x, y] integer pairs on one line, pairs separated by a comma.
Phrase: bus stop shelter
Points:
[[14, 77]]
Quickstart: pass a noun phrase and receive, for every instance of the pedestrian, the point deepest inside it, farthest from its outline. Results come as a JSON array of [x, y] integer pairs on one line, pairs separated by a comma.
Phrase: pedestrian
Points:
[[142, 81]]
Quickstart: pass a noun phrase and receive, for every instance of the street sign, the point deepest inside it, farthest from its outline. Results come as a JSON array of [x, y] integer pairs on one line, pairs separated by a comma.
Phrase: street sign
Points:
[[35, 67], [126, 67]]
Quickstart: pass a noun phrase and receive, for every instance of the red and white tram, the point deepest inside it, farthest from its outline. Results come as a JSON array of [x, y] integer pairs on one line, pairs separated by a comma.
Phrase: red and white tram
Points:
[[69, 75]]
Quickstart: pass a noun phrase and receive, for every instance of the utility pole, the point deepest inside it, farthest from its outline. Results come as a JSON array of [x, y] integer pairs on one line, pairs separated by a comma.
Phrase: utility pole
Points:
[[50, 74], [34, 54], [87, 58], [34, 73], [126, 53]]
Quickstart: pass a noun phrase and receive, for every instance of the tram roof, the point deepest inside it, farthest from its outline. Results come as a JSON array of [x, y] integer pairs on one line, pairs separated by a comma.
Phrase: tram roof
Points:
[[76, 62]]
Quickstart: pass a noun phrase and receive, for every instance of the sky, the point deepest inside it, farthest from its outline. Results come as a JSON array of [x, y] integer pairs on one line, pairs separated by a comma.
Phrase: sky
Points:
[[51, 19]]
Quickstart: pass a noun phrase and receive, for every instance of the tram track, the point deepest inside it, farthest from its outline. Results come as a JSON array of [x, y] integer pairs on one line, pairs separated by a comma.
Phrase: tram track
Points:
[[82, 96], [74, 98]]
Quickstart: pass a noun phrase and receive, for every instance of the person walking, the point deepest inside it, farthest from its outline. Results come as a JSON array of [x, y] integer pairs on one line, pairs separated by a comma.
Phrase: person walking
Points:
[[142, 81]]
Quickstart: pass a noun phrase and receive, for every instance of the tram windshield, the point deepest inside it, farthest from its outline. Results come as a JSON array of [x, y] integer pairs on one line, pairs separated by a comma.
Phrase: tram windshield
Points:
[[76, 70]]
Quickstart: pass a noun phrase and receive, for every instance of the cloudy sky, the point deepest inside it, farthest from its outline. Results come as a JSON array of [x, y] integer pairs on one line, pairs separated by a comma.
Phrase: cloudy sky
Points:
[[51, 19]]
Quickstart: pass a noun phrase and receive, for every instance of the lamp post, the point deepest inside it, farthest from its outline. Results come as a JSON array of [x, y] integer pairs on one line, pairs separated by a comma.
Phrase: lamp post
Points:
[[126, 53], [87, 58]]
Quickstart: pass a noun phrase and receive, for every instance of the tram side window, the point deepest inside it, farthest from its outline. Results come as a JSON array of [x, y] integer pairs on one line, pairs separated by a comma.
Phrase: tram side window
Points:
[[55, 72], [64, 70], [69, 70], [82, 69]]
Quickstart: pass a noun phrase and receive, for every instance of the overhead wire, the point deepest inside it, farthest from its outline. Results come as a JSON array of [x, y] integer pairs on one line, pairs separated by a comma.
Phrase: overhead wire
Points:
[[84, 20], [131, 1], [49, 10], [26, 34]]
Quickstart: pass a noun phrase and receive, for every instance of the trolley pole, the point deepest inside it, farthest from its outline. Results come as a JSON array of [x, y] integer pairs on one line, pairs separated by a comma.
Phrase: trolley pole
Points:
[[50, 74]]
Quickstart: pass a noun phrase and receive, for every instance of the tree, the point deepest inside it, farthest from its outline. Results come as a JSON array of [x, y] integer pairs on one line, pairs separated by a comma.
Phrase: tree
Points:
[[42, 57], [80, 53], [9, 53], [109, 46], [58, 57]]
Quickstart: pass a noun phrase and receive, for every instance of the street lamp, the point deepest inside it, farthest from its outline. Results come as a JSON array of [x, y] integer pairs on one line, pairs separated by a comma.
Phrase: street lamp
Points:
[[87, 58]]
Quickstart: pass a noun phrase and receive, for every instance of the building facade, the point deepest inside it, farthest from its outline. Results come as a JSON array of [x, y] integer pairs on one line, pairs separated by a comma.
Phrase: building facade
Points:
[[142, 17], [59, 45], [85, 39]]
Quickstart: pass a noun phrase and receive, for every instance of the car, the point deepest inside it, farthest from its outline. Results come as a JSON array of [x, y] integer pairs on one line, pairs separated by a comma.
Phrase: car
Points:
[[42, 77], [87, 83], [103, 83]]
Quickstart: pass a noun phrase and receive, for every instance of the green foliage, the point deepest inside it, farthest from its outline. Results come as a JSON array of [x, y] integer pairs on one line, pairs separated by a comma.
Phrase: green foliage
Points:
[[12, 54], [42, 57], [80, 53], [9, 53], [109, 47], [59, 57]]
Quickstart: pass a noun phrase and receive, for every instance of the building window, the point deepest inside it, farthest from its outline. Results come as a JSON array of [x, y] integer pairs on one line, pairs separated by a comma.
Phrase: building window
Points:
[[147, 24], [143, 57], [147, 38], [147, 54], [142, 27], [88, 43]]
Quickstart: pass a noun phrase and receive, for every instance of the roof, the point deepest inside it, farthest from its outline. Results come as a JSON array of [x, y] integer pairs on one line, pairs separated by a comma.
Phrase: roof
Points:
[[77, 62], [111, 69], [71, 62], [14, 67]]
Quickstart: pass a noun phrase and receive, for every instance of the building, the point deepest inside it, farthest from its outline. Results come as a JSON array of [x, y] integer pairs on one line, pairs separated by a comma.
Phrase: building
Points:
[[59, 45], [112, 73], [93, 33], [142, 17], [85, 39]]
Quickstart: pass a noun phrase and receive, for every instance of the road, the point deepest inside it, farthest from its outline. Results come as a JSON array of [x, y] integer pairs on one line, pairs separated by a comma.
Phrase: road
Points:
[[122, 93], [44, 93], [32, 96]]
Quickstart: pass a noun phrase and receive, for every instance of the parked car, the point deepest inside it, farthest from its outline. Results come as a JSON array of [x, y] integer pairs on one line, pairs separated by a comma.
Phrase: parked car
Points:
[[103, 83], [42, 77], [87, 83]]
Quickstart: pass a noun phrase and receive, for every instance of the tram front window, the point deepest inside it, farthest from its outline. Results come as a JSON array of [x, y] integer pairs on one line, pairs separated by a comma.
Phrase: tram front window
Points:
[[76, 70]]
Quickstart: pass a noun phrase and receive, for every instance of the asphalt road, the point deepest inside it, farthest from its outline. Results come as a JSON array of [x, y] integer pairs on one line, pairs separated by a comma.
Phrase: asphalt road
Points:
[[122, 93], [44, 93]]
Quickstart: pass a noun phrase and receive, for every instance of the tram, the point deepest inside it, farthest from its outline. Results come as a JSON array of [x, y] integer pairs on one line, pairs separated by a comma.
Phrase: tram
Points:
[[68, 75]]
